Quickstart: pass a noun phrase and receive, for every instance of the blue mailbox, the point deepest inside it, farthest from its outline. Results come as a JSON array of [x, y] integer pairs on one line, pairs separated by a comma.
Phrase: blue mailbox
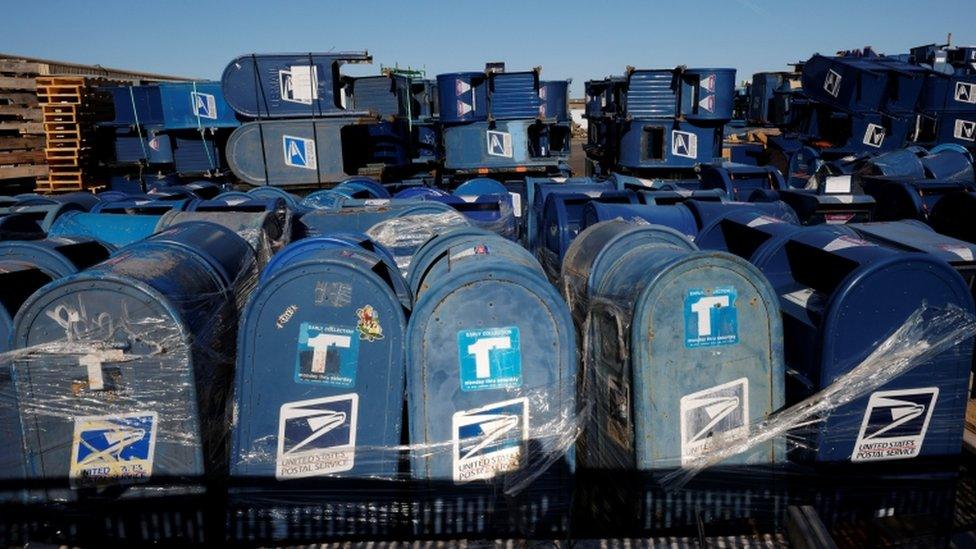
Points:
[[320, 368], [904, 198], [597, 247], [739, 180], [649, 414], [491, 374], [127, 372], [44, 214], [840, 296], [115, 229], [58, 257], [357, 216], [141, 206], [274, 193], [538, 189], [561, 219], [436, 257]]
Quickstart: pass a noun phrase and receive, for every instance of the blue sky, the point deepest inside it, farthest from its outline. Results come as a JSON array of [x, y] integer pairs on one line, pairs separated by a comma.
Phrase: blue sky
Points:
[[569, 39]]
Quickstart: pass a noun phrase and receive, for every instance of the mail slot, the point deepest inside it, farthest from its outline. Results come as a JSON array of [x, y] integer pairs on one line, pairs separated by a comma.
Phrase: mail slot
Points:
[[745, 233], [713, 314], [320, 368], [816, 207], [739, 180], [441, 255], [561, 219], [491, 368], [127, 370], [44, 214], [597, 248], [115, 229], [840, 295], [538, 189], [19, 227]]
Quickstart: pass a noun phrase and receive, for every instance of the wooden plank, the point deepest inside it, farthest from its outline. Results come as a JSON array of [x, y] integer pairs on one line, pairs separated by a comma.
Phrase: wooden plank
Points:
[[25, 113], [21, 67], [19, 98], [45, 186], [969, 435], [22, 127], [17, 83], [19, 143], [22, 157], [18, 172]]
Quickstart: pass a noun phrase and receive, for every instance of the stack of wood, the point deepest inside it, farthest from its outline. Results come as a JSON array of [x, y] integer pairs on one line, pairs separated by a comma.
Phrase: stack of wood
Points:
[[66, 129], [22, 158]]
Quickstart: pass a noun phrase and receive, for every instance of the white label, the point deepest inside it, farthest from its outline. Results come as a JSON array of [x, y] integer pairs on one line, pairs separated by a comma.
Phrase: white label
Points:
[[837, 184], [832, 83], [516, 204], [113, 449], [965, 130], [763, 220], [965, 92], [684, 144], [317, 437], [376, 202], [499, 144], [299, 84], [718, 414], [299, 152], [490, 440], [204, 105], [844, 242], [874, 136], [646, 182], [894, 424]]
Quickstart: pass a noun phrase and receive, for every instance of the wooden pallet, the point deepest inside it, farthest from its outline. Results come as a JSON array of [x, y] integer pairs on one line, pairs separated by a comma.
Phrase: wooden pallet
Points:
[[22, 155], [62, 101]]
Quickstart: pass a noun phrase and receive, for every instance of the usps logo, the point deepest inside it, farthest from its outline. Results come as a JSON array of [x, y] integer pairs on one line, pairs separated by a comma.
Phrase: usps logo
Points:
[[327, 355], [489, 440], [154, 144], [204, 105], [317, 437], [113, 449], [490, 358], [710, 317], [684, 144], [895, 424], [720, 413], [874, 136], [299, 152], [832, 83], [965, 92], [965, 130], [499, 144]]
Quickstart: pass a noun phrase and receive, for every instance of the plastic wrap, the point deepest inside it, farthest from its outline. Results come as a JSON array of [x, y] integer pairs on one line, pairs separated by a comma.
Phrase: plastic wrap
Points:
[[404, 235], [266, 232]]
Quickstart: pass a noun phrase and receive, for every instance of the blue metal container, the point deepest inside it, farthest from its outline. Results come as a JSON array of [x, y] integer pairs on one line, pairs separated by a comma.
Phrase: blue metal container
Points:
[[143, 149], [949, 161], [948, 93], [85, 200], [45, 215], [815, 208], [114, 229], [150, 396], [652, 94], [739, 180], [362, 187], [291, 85], [729, 343], [325, 199], [538, 189], [302, 152], [907, 198], [142, 207], [679, 195], [655, 143], [358, 217], [555, 100], [851, 84], [707, 94], [491, 369], [836, 293], [677, 217], [197, 154], [462, 97], [561, 219], [506, 145], [330, 320], [382, 95], [56, 257], [591, 254], [291, 200], [171, 106], [513, 95]]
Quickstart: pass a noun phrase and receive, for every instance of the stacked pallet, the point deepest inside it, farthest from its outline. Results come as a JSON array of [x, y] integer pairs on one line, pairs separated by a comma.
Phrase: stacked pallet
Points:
[[22, 156], [62, 100]]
